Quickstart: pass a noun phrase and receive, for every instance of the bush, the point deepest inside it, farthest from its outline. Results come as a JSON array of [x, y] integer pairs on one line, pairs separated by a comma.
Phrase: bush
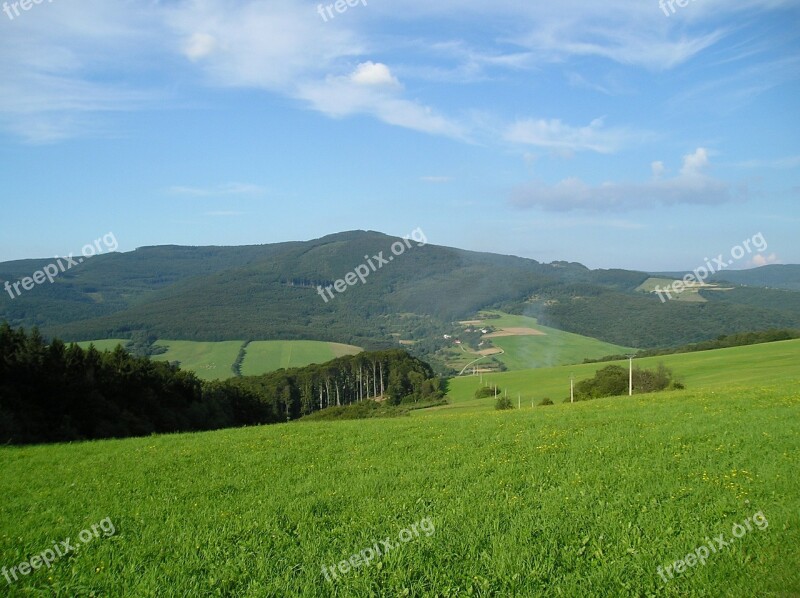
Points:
[[503, 403], [545, 401], [613, 380], [364, 410], [486, 391]]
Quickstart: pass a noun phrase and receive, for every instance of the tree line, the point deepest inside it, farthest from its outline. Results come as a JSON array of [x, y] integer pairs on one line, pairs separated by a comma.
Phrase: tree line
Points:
[[53, 392], [392, 376]]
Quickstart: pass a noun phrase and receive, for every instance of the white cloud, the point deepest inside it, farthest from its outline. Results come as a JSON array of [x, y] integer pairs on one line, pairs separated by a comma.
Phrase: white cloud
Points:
[[691, 186], [556, 135], [348, 95], [258, 44], [280, 48], [694, 164], [370, 73], [63, 61]]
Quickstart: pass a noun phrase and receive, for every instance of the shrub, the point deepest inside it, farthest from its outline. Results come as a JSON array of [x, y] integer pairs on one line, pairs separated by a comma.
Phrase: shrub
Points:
[[486, 391], [613, 381], [503, 403], [545, 401]]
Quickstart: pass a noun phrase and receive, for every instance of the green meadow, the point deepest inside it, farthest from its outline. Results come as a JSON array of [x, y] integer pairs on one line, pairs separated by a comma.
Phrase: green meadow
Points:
[[214, 360], [268, 356], [772, 364], [210, 361], [587, 499], [554, 347]]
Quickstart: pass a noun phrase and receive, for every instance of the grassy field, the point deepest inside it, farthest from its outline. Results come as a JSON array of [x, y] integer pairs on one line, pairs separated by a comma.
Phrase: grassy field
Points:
[[268, 356], [756, 365], [213, 360], [210, 361], [555, 347], [569, 500], [690, 293]]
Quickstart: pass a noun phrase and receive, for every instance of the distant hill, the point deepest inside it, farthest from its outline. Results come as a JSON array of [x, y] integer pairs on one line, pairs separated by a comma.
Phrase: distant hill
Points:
[[775, 276], [270, 292], [786, 277]]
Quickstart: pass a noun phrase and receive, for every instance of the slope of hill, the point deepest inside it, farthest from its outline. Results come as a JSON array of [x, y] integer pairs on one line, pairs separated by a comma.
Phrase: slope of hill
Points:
[[520, 342], [749, 366]]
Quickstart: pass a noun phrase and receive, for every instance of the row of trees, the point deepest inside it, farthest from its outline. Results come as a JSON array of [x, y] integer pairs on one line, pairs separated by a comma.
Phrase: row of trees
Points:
[[393, 376], [51, 392]]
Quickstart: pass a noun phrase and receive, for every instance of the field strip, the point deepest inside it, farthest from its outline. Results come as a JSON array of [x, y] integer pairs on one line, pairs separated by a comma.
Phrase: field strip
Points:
[[516, 332]]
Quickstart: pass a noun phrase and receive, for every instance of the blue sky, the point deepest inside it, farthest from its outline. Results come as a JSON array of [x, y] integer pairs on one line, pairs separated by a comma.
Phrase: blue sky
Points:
[[617, 133]]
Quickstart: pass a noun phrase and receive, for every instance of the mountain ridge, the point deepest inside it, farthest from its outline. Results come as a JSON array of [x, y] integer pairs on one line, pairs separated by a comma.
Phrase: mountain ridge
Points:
[[270, 291]]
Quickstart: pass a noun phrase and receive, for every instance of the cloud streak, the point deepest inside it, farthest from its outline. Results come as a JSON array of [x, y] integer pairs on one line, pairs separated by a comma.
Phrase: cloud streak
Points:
[[556, 135], [67, 69], [691, 186]]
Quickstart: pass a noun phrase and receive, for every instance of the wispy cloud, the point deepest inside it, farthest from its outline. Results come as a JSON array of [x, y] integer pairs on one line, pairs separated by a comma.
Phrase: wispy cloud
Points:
[[372, 89], [556, 135], [280, 48], [733, 90], [218, 190], [66, 73], [58, 78]]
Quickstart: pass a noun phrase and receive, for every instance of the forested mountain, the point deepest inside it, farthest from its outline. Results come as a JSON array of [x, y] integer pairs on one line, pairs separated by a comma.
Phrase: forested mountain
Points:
[[271, 292]]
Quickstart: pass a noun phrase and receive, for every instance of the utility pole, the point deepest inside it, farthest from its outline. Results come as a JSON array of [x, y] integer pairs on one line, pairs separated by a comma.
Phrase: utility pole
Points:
[[630, 375], [572, 388]]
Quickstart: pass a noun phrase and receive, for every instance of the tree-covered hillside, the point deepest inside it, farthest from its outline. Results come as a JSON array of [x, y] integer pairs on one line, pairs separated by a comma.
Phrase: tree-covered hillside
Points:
[[272, 292]]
